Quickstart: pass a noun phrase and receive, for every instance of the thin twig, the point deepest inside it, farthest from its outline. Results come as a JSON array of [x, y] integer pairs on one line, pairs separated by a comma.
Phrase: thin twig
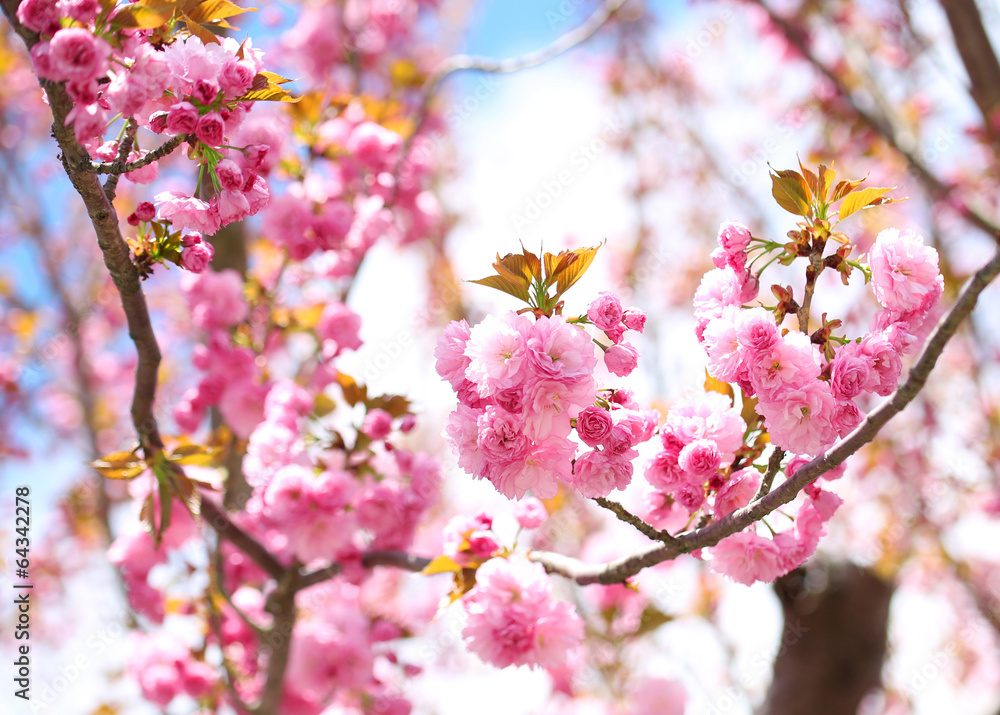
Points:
[[773, 465], [464, 63], [123, 167], [111, 185], [217, 518], [628, 517]]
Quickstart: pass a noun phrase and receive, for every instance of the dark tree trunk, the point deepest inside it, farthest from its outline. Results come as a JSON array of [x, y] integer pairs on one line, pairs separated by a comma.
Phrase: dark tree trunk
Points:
[[833, 641]]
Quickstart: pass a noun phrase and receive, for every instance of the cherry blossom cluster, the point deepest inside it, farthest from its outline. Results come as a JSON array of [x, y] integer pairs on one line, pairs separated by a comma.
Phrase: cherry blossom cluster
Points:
[[513, 618], [169, 86], [808, 400], [523, 386]]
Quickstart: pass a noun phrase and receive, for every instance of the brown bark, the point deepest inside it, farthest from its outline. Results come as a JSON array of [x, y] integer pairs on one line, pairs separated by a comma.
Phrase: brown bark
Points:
[[973, 45], [833, 642]]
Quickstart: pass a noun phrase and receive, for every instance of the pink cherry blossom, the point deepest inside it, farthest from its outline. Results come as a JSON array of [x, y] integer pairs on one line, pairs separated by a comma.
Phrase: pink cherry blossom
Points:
[[593, 425], [605, 311], [746, 557], [800, 419], [513, 619], [737, 492], [530, 513], [904, 270], [621, 359]]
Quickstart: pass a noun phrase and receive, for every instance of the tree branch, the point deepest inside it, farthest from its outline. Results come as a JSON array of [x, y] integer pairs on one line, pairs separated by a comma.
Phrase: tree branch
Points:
[[463, 63], [934, 186], [217, 518], [628, 517], [111, 185], [618, 571], [120, 166], [973, 45]]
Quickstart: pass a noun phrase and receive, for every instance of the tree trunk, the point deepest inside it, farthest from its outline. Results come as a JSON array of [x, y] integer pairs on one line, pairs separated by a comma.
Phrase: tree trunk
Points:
[[833, 641]]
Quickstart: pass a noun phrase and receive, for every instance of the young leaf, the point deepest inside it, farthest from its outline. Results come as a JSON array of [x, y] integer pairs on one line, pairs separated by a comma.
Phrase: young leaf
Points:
[[194, 455], [713, 384], [825, 178], [144, 15], [514, 268], [843, 188], [569, 271], [212, 11], [812, 181], [441, 564], [119, 465], [505, 285], [353, 393], [858, 200], [791, 192]]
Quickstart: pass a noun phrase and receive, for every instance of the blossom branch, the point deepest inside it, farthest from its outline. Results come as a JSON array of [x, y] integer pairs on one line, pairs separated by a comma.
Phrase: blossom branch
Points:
[[621, 569], [937, 188], [217, 518], [120, 166]]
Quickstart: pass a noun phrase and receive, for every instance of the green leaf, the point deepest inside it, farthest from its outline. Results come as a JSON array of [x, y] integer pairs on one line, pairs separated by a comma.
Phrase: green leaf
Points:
[[652, 618], [791, 192], [858, 200]]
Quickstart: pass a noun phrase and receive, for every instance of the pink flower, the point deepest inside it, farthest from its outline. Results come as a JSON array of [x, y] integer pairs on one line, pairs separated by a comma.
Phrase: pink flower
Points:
[[338, 328], [662, 696], [756, 330], [846, 416], [210, 129], [230, 175], [737, 491], [746, 557], [186, 212], [89, 122], [83, 11], [215, 299], [720, 340], [734, 237], [621, 359], [378, 424], [851, 372], [530, 513], [549, 404], [700, 459], [75, 54], [42, 16], [182, 118], [605, 311], [593, 425], [885, 362], [792, 361], [501, 436], [706, 415], [232, 206], [663, 511], [373, 145], [235, 77], [450, 352], [496, 350], [904, 271], [800, 419], [513, 620], [145, 211], [196, 258], [634, 319], [597, 473], [559, 350], [663, 471]]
